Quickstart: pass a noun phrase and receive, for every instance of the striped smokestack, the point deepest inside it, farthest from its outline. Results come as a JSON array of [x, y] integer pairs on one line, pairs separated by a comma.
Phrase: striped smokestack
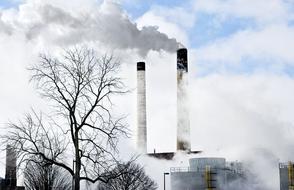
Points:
[[141, 108], [183, 122]]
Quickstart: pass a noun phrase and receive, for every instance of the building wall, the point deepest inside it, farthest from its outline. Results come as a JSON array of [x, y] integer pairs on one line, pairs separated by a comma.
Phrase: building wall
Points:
[[10, 181], [10, 173], [11, 188], [207, 174], [187, 181], [196, 163], [284, 176], [4, 185], [197, 180], [284, 179]]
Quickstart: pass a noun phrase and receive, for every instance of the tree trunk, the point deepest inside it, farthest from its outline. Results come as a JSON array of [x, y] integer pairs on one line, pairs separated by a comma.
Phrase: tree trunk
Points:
[[78, 163], [77, 182], [77, 173], [46, 182]]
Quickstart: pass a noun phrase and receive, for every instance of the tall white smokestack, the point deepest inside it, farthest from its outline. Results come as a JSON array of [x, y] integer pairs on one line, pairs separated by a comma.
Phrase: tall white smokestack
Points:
[[183, 122], [141, 108]]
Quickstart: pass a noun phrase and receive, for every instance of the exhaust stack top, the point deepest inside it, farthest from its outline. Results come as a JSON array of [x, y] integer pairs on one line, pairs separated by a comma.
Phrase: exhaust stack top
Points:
[[141, 108], [183, 122], [141, 66], [182, 59]]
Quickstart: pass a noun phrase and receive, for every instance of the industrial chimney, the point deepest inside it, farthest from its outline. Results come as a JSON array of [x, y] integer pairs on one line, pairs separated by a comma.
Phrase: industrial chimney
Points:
[[10, 173], [141, 108], [183, 122]]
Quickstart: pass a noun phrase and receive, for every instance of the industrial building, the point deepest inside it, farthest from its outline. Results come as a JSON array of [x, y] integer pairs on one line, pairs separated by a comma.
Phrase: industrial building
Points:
[[286, 176], [202, 173], [10, 181], [207, 174]]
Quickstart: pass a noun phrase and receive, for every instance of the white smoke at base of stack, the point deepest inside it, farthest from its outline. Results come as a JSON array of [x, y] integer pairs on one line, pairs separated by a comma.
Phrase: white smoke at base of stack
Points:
[[183, 121], [141, 109]]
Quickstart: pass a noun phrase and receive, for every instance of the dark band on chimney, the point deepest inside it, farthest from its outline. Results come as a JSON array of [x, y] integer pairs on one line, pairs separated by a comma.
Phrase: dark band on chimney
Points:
[[182, 59], [140, 66]]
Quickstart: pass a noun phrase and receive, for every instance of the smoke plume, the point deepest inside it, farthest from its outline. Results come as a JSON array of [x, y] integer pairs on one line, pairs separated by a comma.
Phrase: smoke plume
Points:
[[108, 24]]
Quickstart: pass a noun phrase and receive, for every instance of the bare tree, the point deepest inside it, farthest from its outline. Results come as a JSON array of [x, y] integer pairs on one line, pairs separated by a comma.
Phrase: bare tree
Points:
[[81, 128], [39, 175], [133, 177]]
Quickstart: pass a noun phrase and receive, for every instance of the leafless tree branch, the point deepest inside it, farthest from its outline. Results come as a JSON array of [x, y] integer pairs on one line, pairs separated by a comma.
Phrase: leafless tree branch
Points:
[[80, 87]]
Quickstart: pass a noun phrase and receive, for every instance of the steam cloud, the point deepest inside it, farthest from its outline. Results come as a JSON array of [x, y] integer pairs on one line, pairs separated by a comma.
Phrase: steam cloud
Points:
[[108, 25], [249, 111]]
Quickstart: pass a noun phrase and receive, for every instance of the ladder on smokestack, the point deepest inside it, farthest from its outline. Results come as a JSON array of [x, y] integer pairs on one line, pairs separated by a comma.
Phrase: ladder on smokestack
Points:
[[291, 175], [210, 178]]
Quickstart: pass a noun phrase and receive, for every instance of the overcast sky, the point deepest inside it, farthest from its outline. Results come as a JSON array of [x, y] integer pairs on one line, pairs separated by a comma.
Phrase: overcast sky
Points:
[[241, 64]]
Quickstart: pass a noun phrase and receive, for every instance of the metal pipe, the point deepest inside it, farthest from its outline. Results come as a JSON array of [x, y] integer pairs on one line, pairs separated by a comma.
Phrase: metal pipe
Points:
[[164, 174]]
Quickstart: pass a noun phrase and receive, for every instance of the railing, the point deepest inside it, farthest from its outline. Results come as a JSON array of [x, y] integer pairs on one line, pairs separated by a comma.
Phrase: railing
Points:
[[180, 169], [202, 169], [284, 165]]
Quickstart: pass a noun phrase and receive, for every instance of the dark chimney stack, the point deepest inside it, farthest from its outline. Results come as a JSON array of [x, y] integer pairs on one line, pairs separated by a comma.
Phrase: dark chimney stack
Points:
[[10, 174]]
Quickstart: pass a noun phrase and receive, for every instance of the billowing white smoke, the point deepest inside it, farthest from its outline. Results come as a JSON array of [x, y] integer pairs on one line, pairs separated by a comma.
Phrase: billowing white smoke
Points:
[[231, 116], [107, 24], [4, 27]]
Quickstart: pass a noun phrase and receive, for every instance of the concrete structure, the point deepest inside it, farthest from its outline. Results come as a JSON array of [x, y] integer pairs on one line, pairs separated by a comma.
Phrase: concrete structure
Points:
[[183, 121], [10, 181], [141, 108], [10, 174], [208, 174], [286, 176]]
